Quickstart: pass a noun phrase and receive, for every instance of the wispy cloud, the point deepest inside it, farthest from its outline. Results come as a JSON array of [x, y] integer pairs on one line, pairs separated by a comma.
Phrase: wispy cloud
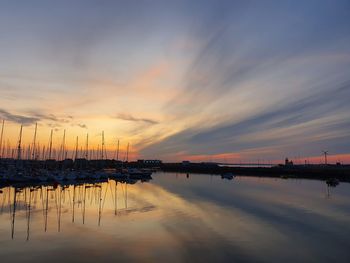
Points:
[[33, 117], [22, 119], [128, 117], [301, 125]]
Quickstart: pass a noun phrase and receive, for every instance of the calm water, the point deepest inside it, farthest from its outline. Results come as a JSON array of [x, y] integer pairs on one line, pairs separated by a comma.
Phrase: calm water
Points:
[[174, 218]]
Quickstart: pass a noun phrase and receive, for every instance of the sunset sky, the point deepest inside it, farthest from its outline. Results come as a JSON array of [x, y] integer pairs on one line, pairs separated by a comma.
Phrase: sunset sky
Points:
[[198, 80]]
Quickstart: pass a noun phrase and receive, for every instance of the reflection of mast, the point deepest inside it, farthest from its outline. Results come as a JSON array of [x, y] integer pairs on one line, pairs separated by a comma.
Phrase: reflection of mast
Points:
[[115, 197], [14, 213], [85, 186], [59, 210], [3, 201], [125, 192], [28, 212], [100, 204], [126, 195], [47, 206], [47, 203], [73, 202]]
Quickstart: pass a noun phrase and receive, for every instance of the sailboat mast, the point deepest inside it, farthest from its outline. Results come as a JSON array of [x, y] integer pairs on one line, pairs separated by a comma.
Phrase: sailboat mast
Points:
[[43, 157], [19, 150], [34, 141], [127, 153], [87, 147], [2, 133], [63, 144], [103, 144], [118, 151], [50, 145], [76, 149]]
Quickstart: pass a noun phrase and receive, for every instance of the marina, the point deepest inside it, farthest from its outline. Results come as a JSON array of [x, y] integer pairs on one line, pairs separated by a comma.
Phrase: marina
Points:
[[54, 166], [174, 131]]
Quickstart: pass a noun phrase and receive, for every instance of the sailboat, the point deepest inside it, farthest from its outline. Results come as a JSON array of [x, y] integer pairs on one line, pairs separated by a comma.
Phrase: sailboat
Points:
[[117, 173], [135, 173]]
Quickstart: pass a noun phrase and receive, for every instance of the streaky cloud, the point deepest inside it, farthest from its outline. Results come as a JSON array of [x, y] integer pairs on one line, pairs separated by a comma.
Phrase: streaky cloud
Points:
[[21, 119], [299, 125], [33, 117], [128, 117]]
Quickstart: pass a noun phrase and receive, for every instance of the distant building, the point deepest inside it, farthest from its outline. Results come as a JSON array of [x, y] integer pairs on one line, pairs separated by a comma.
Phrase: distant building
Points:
[[288, 163], [141, 161], [186, 162], [153, 161], [149, 162]]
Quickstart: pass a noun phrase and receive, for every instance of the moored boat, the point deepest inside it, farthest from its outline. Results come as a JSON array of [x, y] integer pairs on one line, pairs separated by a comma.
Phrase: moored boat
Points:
[[228, 176]]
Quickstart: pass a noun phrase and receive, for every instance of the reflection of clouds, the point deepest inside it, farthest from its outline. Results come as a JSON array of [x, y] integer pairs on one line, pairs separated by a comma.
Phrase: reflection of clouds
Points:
[[145, 209], [262, 214], [254, 219]]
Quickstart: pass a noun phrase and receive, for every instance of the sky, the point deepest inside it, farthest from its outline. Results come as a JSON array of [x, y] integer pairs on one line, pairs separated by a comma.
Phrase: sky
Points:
[[232, 81]]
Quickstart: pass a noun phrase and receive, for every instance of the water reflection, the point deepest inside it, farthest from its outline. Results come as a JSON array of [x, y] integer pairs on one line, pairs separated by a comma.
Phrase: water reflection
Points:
[[331, 183], [177, 217], [49, 200]]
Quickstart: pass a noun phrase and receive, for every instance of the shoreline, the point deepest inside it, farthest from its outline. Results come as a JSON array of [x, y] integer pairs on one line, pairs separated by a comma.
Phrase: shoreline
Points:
[[320, 172]]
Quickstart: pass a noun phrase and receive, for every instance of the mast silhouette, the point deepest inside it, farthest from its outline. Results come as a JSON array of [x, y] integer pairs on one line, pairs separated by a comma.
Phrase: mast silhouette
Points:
[[34, 141], [118, 151], [87, 147], [103, 145], [127, 153], [76, 148], [1, 135], [19, 150], [50, 145], [63, 146]]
